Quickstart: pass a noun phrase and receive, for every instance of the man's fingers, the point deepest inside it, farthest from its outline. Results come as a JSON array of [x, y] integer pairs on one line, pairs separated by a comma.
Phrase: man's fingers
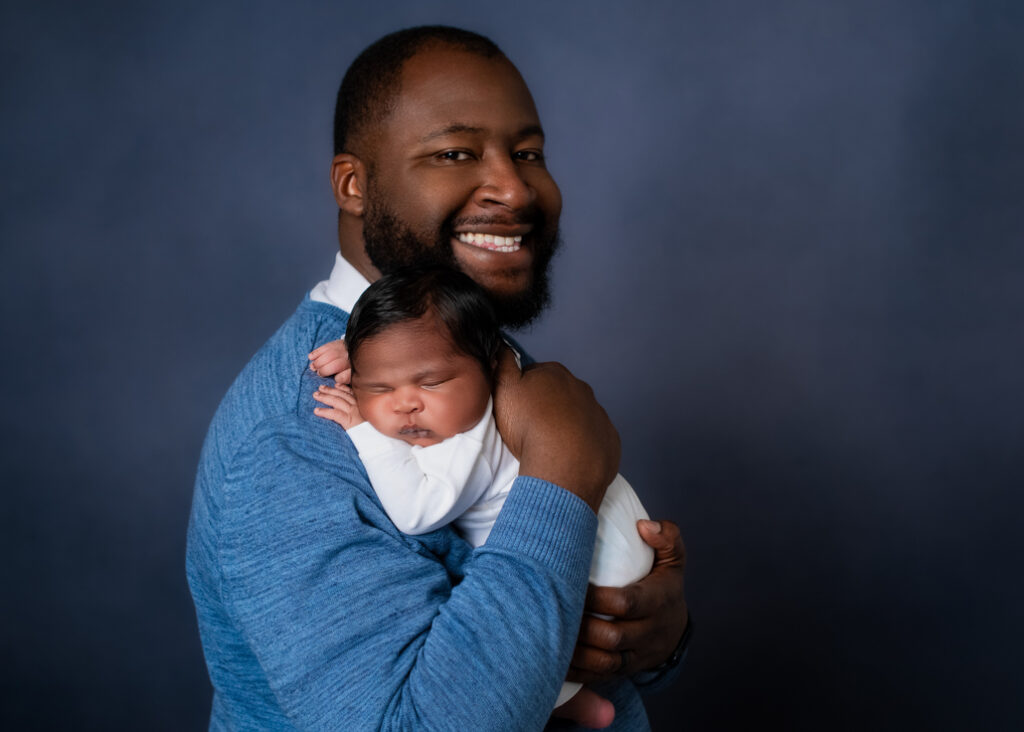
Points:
[[620, 636], [619, 602], [591, 664], [607, 649], [665, 539], [648, 617], [631, 602], [603, 634], [594, 663]]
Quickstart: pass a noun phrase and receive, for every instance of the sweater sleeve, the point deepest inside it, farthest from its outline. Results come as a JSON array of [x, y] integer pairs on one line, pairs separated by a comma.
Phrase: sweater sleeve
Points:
[[421, 488], [355, 626]]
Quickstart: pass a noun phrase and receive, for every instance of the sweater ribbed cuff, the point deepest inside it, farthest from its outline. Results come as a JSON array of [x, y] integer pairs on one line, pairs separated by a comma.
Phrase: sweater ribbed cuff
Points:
[[548, 524]]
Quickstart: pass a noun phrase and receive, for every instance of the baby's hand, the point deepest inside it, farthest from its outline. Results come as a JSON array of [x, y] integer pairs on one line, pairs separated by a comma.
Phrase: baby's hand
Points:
[[341, 405], [331, 359]]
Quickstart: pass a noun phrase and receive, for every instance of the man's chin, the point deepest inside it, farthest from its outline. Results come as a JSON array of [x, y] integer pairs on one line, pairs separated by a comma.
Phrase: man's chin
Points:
[[516, 282], [508, 284], [518, 291], [520, 308]]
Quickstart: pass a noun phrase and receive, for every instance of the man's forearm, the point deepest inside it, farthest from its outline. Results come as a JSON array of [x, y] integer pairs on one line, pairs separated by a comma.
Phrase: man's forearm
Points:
[[360, 629]]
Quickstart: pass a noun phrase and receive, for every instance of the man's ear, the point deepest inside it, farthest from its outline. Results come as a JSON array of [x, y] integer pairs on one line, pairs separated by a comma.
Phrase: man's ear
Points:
[[348, 181]]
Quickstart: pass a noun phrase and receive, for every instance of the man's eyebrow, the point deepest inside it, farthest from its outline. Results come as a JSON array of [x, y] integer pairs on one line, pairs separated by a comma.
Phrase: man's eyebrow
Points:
[[531, 131], [452, 129], [459, 128]]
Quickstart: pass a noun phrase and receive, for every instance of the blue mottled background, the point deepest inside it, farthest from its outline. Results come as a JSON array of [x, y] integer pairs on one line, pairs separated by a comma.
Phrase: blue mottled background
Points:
[[793, 272]]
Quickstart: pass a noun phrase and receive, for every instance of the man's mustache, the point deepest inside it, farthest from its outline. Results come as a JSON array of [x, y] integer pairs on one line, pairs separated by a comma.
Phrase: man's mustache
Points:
[[530, 217]]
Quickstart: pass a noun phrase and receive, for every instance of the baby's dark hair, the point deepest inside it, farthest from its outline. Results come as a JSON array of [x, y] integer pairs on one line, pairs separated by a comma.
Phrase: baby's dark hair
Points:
[[408, 294]]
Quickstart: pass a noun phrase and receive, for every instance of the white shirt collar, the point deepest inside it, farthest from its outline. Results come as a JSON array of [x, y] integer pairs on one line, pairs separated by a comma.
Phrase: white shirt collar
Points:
[[346, 284], [343, 288]]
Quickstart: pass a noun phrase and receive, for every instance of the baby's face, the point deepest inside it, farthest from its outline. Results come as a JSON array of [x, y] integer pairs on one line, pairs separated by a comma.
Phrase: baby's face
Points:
[[411, 383]]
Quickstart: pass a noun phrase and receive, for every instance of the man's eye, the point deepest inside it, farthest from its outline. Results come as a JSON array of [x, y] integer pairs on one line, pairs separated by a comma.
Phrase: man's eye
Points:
[[529, 156], [454, 155]]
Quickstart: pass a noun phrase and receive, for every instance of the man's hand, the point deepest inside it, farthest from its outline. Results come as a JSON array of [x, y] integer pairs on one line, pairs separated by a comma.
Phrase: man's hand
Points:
[[649, 616], [550, 420], [331, 359], [341, 406]]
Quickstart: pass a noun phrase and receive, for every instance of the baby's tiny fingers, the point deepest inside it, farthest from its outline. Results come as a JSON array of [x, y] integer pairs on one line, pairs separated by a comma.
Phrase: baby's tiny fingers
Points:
[[343, 378], [325, 397], [341, 402], [333, 415], [335, 366], [342, 390]]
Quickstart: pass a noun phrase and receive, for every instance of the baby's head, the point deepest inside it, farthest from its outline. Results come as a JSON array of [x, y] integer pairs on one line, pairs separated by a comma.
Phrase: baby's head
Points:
[[423, 345]]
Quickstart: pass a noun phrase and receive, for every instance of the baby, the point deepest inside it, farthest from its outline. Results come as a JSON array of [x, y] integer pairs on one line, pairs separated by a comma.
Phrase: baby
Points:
[[423, 347]]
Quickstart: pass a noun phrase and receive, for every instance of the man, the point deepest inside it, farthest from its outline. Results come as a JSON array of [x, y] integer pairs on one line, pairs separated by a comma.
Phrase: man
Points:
[[314, 611]]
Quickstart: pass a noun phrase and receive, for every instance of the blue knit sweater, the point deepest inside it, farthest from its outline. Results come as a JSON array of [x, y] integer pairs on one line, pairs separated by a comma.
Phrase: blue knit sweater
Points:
[[315, 612]]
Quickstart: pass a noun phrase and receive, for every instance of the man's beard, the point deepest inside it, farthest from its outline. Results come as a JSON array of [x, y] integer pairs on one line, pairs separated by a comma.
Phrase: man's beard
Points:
[[391, 245]]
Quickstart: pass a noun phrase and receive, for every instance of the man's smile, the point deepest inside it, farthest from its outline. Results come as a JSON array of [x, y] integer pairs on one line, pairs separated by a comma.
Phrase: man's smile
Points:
[[491, 242]]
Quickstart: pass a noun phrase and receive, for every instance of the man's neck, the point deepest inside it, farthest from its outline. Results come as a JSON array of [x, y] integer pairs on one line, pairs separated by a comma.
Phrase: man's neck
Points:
[[353, 248]]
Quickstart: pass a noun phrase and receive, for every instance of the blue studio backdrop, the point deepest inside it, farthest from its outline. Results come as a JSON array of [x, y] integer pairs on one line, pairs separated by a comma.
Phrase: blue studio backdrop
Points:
[[793, 272]]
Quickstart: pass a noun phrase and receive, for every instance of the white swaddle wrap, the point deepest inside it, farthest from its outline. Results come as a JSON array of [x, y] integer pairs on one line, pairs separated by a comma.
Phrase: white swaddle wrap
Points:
[[620, 556]]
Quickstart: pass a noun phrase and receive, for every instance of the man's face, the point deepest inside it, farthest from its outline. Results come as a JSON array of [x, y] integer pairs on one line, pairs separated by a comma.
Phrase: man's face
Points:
[[457, 177]]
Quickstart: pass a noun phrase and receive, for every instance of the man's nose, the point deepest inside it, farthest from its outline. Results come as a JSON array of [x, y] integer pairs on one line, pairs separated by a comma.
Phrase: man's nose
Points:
[[503, 184]]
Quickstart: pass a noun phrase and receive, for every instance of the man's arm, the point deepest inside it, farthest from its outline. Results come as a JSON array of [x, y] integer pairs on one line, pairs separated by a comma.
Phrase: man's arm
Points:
[[355, 625]]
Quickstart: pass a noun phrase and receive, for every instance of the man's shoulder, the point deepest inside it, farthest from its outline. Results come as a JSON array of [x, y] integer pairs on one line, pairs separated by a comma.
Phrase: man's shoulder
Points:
[[268, 386], [269, 396]]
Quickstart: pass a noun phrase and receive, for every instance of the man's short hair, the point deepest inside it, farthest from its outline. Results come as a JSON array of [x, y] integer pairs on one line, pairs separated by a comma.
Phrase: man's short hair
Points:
[[459, 303], [368, 91]]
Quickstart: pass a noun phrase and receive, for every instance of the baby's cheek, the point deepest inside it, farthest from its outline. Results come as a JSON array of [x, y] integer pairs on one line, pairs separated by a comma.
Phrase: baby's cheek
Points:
[[370, 408]]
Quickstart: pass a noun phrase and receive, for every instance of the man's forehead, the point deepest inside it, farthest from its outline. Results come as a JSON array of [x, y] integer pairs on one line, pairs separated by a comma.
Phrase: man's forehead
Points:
[[442, 82], [461, 128]]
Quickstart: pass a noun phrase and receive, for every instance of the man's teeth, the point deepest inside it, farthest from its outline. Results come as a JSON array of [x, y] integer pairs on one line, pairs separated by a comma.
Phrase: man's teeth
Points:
[[492, 242]]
